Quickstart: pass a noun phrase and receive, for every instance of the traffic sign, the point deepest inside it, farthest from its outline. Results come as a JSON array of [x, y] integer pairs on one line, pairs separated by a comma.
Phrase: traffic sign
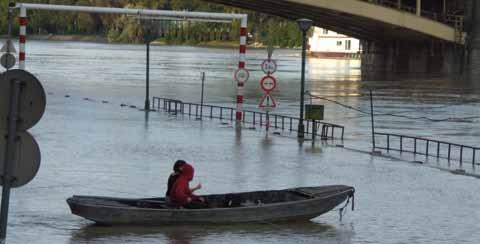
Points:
[[27, 158], [32, 100], [242, 75], [7, 60], [268, 102], [268, 83], [8, 47], [269, 66]]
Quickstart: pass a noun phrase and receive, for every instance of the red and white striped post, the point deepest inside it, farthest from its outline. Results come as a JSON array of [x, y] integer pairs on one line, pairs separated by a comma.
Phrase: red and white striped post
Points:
[[22, 38], [241, 65]]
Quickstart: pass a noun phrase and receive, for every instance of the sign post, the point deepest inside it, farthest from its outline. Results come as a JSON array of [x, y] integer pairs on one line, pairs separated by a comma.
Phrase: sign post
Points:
[[7, 60], [268, 84], [314, 112], [201, 98], [22, 104]]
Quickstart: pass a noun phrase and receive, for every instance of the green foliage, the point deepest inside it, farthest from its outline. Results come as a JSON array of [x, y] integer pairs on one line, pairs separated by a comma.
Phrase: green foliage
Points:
[[264, 29]]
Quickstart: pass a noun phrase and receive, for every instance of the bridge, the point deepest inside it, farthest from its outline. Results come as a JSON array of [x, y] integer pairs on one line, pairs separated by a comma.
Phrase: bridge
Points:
[[419, 36]]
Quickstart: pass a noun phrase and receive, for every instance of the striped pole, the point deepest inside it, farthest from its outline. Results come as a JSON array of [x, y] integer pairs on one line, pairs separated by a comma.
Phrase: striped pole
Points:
[[241, 65], [22, 38]]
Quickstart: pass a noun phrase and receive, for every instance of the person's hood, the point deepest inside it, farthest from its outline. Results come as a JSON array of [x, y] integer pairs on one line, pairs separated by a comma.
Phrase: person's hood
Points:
[[187, 172]]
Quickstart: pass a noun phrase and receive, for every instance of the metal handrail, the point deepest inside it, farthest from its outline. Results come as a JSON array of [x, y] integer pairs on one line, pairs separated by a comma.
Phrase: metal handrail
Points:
[[427, 151], [277, 121], [455, 21]]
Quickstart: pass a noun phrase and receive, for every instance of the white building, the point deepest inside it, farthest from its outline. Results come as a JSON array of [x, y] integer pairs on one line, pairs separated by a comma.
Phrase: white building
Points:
[[329, 44]]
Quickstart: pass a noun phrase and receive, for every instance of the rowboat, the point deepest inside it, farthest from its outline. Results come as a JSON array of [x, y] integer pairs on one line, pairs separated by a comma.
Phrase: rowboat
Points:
[[302, 203]]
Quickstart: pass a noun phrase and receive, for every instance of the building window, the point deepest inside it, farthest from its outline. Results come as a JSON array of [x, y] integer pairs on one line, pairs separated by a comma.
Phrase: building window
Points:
[[339, 43], [325, 31], [348, 44]]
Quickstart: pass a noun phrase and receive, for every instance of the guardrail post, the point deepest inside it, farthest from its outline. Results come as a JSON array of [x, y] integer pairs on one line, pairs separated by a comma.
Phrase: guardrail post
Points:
[[415, 145], [461, 155], [438, 149], [473, 157], [388, 142], [314, 132], [401, 143], [449, 147], [372, 120], [426, 150]]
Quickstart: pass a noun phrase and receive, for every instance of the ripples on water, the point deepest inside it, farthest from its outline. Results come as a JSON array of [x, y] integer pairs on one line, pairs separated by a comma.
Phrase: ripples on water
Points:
[[103, 149]]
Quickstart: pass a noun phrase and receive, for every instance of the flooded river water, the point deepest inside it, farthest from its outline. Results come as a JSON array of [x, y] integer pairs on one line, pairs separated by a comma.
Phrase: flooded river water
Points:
[[90, 147]]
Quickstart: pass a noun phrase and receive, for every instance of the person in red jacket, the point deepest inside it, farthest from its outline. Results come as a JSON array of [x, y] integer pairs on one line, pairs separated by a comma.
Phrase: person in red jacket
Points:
[[181, 195]]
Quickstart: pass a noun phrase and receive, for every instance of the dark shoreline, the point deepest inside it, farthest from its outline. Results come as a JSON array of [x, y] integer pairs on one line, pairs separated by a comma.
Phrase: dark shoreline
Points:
[[104, 40]]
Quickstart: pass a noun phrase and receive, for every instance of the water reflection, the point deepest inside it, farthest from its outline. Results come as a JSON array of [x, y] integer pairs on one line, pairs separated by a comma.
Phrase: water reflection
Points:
[[305, 231]]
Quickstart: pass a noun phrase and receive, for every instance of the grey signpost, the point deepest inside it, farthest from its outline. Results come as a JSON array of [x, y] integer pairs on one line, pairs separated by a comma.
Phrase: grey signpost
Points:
[[148, 37], [268, 83], [22, 104], [201, 97], [7, 60]]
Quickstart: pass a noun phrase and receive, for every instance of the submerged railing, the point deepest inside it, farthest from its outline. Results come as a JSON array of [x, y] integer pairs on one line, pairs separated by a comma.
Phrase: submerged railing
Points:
[[276, 121], [427, 147]]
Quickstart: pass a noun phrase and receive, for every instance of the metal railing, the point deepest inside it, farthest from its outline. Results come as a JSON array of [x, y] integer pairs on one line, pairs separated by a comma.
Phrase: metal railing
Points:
[[428, 147], [455, 21], [276, 121]]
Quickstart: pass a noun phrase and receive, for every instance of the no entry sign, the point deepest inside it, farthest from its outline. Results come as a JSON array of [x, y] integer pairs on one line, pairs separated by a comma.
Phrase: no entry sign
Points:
[[268, 83]]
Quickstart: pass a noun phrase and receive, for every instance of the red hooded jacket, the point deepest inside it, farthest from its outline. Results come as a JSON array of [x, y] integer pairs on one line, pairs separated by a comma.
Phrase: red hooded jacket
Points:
[[181, 190]]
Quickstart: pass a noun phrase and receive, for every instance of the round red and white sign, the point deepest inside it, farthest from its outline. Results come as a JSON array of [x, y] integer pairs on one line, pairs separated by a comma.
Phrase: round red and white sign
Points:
[[268, 83], [269, 66], [241, 75]]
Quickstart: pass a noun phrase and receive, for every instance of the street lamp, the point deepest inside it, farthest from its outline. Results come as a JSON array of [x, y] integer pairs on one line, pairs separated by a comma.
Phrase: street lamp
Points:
[[304, 25], [148, 37]]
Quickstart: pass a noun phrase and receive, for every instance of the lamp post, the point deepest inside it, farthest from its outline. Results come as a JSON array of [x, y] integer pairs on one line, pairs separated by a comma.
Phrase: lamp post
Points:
[[148, 37], [304, 25]]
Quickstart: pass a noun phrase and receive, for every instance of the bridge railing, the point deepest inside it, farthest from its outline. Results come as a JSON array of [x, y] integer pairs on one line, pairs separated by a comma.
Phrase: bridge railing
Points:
[[427, 147], [276, 121], [455, 21]]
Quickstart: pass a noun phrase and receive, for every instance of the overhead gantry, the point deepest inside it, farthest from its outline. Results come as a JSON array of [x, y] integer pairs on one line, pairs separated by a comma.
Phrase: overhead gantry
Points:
[[164, 14]]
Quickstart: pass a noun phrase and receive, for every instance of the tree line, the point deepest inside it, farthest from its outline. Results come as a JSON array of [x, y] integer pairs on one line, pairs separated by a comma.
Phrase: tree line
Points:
[[264, 29]]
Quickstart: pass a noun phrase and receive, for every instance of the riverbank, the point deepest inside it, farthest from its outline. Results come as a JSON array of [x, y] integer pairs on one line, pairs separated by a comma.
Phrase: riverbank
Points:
[[77, 38], [158, 42]]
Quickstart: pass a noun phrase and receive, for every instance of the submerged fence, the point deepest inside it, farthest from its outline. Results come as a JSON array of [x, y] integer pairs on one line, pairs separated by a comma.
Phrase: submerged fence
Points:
[[276, 121], [428, 147]]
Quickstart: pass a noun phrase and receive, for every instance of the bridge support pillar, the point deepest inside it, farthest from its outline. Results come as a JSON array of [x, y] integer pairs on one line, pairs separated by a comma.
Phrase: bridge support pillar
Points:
[[399, 57], [472, 21], [419, 7]]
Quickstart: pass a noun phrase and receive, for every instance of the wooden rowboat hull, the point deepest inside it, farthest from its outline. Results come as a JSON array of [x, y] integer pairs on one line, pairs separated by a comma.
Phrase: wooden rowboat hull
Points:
[[261, 206]]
